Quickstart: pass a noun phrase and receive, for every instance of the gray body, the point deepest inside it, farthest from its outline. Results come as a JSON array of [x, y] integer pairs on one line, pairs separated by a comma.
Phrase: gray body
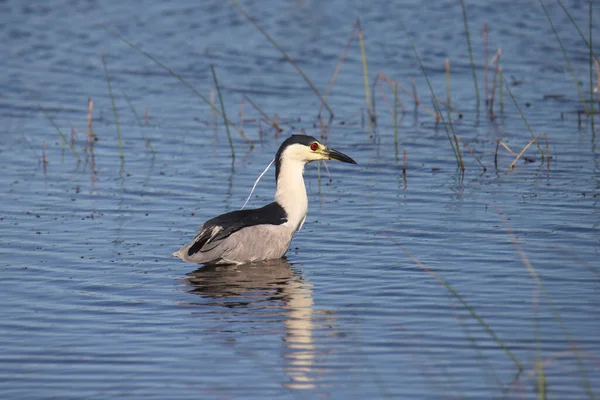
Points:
[[251, 244]]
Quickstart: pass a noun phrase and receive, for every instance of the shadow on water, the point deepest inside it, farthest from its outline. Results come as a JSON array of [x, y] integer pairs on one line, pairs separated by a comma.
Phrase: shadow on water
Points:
[[272, 286]]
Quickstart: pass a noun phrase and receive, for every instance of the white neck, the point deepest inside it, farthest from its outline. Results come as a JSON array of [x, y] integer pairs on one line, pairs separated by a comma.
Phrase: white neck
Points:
[[291, 192]]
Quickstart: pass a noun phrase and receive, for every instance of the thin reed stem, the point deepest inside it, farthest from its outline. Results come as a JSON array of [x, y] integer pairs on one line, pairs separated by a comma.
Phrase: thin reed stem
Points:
[[114, 107], [464, 13], [287, 57], [214, 74]]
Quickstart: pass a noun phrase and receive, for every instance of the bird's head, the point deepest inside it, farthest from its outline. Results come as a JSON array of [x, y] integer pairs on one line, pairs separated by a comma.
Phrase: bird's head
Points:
[[303, 148]]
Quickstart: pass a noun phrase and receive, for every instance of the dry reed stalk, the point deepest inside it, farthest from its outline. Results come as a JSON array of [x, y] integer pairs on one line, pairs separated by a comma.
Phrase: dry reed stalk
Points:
[[90, 132], [473, 154], [484, 33], [512, 164], [496, 61], [404, 164], [460, 159]]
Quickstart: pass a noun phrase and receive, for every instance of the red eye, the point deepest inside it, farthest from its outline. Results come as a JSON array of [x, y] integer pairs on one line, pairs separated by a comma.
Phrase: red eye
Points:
[[314, 146]]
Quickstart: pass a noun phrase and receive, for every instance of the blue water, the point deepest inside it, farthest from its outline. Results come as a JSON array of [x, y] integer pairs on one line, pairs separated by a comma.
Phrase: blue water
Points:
[[95, 307]]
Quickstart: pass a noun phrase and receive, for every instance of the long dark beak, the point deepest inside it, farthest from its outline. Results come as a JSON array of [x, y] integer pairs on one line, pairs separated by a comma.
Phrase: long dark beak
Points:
[[336, 155]]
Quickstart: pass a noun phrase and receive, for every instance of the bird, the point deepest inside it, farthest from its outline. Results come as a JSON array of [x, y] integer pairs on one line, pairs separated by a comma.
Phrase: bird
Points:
[[261, 234]]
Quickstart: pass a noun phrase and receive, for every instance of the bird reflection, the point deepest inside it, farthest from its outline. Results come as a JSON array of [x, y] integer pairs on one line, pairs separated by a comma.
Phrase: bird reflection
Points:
[[258, 286]]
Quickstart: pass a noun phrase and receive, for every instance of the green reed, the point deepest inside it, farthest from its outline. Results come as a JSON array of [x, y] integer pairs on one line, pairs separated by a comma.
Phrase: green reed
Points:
[[212, 68]]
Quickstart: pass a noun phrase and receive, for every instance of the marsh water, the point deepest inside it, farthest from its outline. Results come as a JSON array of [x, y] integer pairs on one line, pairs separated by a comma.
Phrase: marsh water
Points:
[[433, 284]]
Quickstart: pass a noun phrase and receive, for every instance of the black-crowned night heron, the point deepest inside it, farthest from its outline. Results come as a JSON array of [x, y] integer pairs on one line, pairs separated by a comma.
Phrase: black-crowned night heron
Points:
[[265, 233]]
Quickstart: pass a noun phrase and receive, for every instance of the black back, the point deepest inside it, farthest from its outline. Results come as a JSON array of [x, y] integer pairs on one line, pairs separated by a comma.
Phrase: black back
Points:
[[294, 139], [271, 214]]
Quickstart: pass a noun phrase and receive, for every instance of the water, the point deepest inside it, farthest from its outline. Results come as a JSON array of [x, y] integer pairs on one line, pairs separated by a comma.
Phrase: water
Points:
[[95, 307]]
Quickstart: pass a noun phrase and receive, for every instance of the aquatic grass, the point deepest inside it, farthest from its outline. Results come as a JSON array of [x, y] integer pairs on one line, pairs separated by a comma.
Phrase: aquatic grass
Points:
[[223, 113], [287, 57], [524, 120], [564, 52], [464, 13], [436, 105], [466, 305], [114, 108]]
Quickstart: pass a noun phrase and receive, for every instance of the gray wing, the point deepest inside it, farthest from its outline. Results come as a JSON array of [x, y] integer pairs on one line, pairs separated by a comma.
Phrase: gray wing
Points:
[[214, 231]]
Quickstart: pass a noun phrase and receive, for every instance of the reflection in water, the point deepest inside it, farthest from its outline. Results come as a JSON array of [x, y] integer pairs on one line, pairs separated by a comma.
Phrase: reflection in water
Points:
[[250, 286]]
